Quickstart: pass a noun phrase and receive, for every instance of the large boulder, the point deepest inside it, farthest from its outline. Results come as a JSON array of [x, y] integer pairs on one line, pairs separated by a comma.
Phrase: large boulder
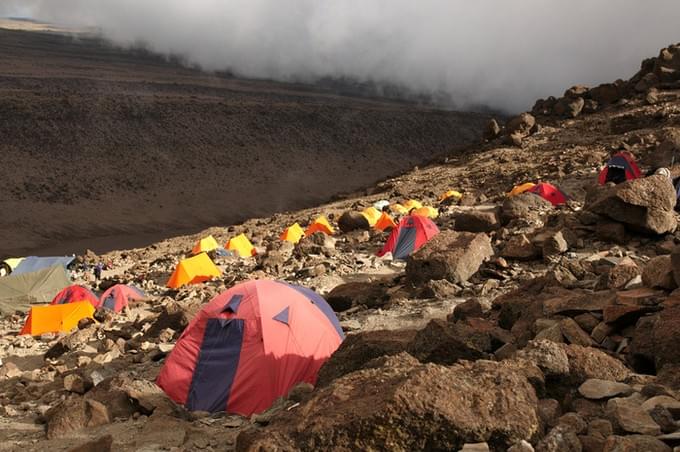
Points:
[[443, 342], [643, 204], [656, 338], [401, 404], [658, 273], [346, 296], [352, 221], [526, 206], [477, 220], [454, 256], [667, 65], [520, 125], [358, 349]]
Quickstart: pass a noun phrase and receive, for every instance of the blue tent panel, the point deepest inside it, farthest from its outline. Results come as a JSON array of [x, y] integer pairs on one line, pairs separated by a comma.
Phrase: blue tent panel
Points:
[[233, 304], [216, 367], [35, 263], [406, 243], [322, 304], [282, 316]]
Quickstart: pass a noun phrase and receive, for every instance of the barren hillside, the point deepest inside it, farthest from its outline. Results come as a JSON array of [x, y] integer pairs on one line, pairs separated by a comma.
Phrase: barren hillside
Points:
[[105, 148]]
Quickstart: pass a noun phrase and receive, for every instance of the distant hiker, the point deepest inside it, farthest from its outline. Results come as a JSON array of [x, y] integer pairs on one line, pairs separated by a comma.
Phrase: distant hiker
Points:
[[98, 271], [619, 168]]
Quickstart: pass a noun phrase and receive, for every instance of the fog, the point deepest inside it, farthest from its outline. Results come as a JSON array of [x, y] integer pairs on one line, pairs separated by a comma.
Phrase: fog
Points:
[[496, 53]]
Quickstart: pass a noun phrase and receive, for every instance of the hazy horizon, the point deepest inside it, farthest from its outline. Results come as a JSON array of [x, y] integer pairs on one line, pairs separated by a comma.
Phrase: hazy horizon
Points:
[[497, 54]]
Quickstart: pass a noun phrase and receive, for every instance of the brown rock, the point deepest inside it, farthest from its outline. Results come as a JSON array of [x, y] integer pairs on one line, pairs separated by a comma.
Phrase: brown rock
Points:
[[477, 221], [611, 232], [634, 443], [492, 130], [548, 356], [569, 107], [587, 362], [574, 333], [603, 389], [101, 444], [348, 295], [352, 221], [450, 255], [521, 124], [601, 331], [574, 422], [74, 414], [559, 439], [574, 302], [645, 204], [446, 343], [658, 273], [360, 348], [655, 340], [76, 383], [415, 406], [526, 206], [622, 273], [600, 427], [549, 411], [628, 416], [675, 264], [520, 247], [467, 309], [587, 322]]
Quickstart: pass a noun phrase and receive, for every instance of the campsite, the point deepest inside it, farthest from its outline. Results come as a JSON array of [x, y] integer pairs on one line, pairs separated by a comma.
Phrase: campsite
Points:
[[521, 294]]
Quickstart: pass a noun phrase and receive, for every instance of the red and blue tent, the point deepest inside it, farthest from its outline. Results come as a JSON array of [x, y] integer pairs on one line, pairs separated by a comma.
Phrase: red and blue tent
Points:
[[117, 297], [412, 232], [249, 346], [74, 294], [550, 193], [620, 168]]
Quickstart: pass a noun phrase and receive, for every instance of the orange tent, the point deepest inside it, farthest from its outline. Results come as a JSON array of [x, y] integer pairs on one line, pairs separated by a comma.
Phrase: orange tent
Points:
[[241, 245], [427, 211], [205, 245], [193, 270], [521, 188], [293, 233], [385, 222], [321, 224], [450, 194], [56, 318]]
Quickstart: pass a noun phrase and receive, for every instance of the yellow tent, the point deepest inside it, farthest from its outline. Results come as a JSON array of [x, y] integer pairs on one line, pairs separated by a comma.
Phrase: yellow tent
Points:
[[372, 215], [412, 204], [450, 194], [56, 318], [385, 222], [427, 211], [205, 245], [398, 209], [193, 270], [521, 188], [321, 224], [241, 245], [293, 233]]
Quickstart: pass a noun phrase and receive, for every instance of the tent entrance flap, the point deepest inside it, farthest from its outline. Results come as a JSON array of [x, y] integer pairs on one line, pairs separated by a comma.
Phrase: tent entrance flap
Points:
[[217, 364]]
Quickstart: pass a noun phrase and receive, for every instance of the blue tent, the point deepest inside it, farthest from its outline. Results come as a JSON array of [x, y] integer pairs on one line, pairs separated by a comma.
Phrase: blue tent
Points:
[[35, 263]]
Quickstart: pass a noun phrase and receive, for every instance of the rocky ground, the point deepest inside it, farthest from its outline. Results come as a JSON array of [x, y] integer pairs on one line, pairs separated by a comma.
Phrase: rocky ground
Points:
[[520, 327]]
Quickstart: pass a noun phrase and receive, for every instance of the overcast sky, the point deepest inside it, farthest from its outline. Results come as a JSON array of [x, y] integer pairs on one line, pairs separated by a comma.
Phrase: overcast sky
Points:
[[499, 53]]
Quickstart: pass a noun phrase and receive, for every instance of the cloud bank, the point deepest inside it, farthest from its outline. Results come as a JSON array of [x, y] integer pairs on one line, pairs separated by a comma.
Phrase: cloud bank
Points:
[[496, 53]]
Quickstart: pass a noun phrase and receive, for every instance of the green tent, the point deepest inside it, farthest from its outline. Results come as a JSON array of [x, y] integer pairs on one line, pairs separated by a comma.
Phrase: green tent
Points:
[[18, 292]]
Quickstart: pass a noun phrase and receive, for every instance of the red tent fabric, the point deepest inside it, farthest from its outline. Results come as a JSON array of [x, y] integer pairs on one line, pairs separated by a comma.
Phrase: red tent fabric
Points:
[[75, 293], [249, 346], [115, 298], [624, 164], [550, 193], [412, 233]]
